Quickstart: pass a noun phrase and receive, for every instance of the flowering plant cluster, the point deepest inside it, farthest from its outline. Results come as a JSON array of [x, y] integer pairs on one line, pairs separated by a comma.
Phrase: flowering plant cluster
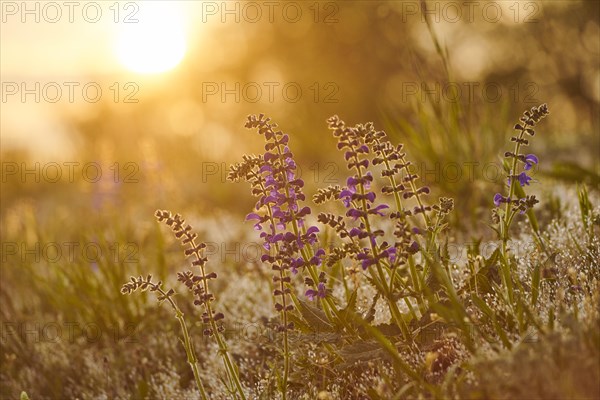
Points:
[[388, 236], [528, 161]]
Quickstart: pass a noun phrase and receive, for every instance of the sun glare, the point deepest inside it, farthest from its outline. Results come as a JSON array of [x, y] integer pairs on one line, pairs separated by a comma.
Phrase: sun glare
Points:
[[156, 42]]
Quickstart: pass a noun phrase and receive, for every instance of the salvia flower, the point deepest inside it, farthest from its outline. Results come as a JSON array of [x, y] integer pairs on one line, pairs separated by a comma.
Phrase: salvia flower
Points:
[[197, 283], [522, 178], [530, 160], [363, 147], [321, 292], [499, 199], [525, 127], [278, 213]]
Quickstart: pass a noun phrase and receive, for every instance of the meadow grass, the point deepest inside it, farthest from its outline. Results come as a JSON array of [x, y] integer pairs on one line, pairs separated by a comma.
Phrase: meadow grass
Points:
[[369, 289], [398, 283]]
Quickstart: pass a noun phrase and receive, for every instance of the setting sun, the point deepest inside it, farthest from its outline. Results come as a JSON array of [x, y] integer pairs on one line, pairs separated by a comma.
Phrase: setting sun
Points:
[[156, 42]]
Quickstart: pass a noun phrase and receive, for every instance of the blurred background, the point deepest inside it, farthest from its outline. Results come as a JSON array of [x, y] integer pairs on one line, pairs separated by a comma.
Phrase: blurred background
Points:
[[158, 91], [111, 110]]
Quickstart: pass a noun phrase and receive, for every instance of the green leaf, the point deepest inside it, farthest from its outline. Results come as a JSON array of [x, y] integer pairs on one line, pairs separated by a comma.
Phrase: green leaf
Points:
[[573, 172], [500, 331], [584, 205], [493, 259], [373, 394], [351, 302], [480, 281], [347, 312], [371, 313], [316, 319], [482, 305], [361, 351], [299, 323], [24, 396]]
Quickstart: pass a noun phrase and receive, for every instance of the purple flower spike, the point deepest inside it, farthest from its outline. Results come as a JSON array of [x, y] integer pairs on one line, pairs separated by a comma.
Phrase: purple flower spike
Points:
[[530, 159]]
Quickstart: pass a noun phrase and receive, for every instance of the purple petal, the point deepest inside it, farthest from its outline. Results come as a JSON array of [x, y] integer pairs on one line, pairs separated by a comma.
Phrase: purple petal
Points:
[[524, 179], [354, 213], [289, 237], [371, 196], [414, 247], [377, 209], [312, 229], [345, 193], [297, 182], [270, 156], [304, 211], [530, 159], [253, 216], [355, 232], [352, 182], [498, 198], [322, 290]]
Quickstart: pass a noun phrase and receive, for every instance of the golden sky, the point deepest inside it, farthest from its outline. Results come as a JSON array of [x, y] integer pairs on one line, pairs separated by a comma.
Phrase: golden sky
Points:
[[50, 51]]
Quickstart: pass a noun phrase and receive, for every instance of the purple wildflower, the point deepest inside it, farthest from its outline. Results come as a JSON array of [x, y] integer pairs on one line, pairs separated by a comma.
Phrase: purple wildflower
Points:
[[414, 247], [499, 199], [321, 292], [377, 210], [279, 213], [530, 159], [522, 178]]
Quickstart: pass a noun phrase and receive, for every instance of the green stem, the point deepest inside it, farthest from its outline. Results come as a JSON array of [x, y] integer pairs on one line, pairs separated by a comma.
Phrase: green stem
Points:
[[232, 372], [414, 190], [189, 347], [508, 216], [396, 315]]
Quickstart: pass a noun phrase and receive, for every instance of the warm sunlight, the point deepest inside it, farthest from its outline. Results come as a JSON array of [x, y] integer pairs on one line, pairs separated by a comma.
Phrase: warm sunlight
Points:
[[156, 42], [299, 199]]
